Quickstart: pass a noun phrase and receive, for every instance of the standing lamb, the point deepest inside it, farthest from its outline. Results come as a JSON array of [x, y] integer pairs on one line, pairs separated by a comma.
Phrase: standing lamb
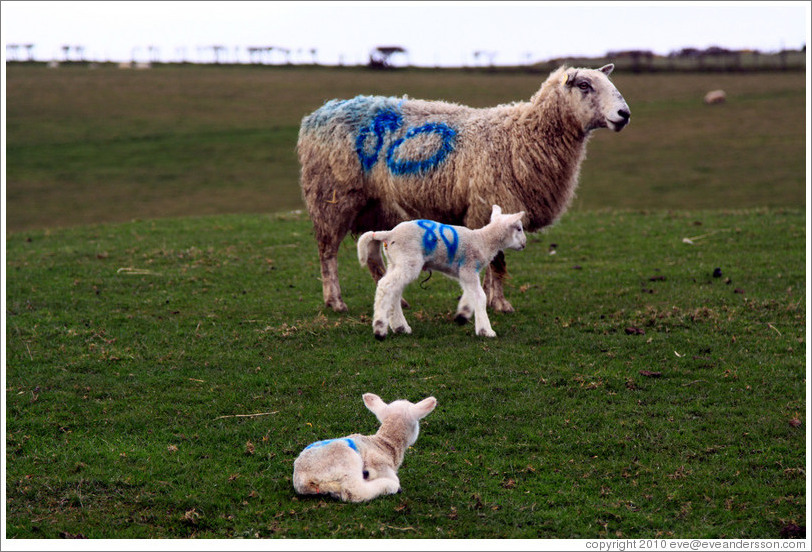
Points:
[[371, 162], [456, 251], [357, 468]]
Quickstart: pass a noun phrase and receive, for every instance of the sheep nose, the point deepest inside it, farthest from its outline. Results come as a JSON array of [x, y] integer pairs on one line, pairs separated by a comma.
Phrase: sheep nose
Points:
[[624, 113]]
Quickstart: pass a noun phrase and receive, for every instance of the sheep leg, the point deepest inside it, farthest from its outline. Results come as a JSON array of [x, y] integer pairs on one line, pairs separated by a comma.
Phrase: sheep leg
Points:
[[495, 276], [464, 309], [375, 262], [377, 267], [472, 288], [383, 303], [331, 290], [397, 321], [332, 218]]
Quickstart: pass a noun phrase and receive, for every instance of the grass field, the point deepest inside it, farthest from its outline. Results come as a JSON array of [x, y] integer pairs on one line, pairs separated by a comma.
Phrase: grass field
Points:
[[631, 394], [107, 145], [127, 345]]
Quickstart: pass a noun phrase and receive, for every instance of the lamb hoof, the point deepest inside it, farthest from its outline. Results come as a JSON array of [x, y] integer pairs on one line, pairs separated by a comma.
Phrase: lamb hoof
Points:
[[379, 328], [403, 330], [365, 473], [400, 490], [404, 304], [486, 333], [461, 319]]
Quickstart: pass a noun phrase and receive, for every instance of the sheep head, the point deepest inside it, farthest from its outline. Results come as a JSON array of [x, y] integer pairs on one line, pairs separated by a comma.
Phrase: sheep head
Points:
[[593, 98], [511, 230], [401, 410]]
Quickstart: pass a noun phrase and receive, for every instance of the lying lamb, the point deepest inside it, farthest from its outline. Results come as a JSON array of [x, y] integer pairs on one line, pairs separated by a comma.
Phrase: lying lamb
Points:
[[357, 468], [456, 251]]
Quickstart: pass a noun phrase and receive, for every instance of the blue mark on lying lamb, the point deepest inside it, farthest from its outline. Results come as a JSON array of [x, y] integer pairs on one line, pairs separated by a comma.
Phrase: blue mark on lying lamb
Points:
[[349, 442]]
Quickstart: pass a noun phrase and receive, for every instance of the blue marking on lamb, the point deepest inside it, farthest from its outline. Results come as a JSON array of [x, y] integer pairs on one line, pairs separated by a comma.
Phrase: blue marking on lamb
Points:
[[432, 230], [349, 442]]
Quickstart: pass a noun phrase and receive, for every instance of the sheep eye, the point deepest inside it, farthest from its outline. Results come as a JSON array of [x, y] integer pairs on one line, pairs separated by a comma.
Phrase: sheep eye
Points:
[[584, 86]]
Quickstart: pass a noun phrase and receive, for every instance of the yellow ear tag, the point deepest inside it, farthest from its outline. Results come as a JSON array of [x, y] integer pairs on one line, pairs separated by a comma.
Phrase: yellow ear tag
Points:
[[564, 80]]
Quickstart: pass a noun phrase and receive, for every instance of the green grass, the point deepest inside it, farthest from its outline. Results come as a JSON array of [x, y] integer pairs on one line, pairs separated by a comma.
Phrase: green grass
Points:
[[128, 345], [631, 394], [106, 145]]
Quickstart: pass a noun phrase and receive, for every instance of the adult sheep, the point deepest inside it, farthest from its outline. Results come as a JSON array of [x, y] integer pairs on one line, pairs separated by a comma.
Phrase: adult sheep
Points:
[[371, 162]]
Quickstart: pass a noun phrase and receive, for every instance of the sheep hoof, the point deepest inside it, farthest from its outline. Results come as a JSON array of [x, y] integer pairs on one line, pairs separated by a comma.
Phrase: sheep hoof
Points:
[[461, 319], [379, 328], [500, 305], [337, 305]]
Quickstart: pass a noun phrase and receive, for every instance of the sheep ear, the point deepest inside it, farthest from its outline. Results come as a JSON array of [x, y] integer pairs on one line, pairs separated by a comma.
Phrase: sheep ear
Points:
[[424, 407], [373, 402], [607, 69]]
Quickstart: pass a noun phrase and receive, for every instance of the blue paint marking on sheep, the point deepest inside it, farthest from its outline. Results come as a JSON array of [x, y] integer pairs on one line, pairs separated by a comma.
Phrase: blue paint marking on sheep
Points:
[[402, 167], [387, 120], [451, 243], [349, 442], [382, 131], [378, 121], [430, 237], [354, 113]]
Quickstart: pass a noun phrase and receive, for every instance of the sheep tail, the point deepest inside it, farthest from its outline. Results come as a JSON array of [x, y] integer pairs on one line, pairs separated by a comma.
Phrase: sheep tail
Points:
[[364, 242]]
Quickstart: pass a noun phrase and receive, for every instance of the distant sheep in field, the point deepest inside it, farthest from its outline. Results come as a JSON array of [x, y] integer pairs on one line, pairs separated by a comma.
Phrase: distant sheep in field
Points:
[[372, 162], [456, 251], [715, 97], [357, 468]]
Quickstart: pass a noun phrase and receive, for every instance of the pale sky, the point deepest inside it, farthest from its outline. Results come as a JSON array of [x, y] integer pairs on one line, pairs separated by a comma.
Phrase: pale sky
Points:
[[434, 33]]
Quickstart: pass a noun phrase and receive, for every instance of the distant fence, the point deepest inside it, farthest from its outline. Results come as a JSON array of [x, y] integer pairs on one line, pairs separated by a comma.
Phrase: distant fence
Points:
[[635, 62], [723, 61]]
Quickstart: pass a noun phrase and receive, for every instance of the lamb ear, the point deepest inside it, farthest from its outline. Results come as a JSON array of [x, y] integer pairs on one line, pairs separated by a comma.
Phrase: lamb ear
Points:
[[424, 407], [496, 212], [373, 402], [607, 69]]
